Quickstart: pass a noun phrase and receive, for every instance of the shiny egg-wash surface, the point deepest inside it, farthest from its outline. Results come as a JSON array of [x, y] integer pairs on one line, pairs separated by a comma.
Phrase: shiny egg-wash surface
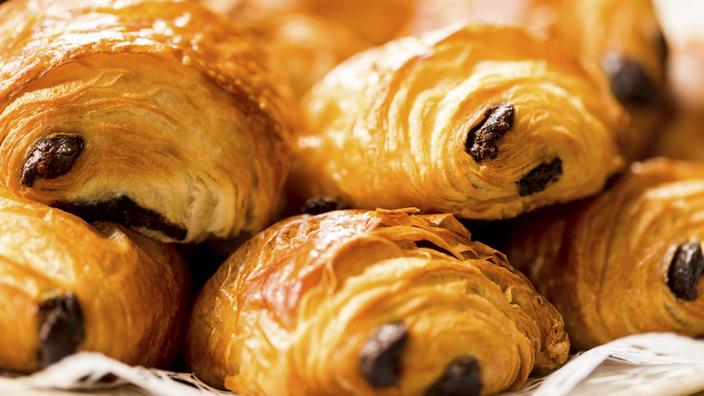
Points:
[[66, 286], [460, 121], [158, 115], [371, 303], [628, 261]]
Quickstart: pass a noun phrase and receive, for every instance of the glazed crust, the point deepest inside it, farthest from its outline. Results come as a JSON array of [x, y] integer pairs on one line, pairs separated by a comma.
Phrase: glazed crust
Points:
[[178, 111], [606, 263], [622, 36], [289, 313], [131, 291], [391, 127]]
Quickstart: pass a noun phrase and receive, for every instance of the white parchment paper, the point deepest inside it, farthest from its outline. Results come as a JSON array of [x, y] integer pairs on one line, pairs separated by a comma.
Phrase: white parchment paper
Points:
[[647, 364]]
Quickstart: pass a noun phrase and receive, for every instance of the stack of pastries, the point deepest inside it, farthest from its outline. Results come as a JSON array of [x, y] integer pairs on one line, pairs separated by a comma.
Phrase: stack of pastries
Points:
[[337, 151]]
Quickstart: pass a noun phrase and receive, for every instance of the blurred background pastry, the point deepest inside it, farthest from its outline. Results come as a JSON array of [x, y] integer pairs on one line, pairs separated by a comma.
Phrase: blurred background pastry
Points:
[[376, 21], [306, 44], [682, 22]]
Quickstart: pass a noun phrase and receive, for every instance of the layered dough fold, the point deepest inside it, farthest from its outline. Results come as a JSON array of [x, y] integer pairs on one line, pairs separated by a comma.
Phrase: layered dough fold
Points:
[[371, 303], [157, 115], [462, 121], [66, 286], [628, 261]]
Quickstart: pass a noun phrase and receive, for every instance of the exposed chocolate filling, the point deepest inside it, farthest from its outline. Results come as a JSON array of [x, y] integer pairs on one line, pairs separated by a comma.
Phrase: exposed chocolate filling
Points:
[[462, 377], [630, 82], [685, 270], [123, 210], [319, 205], [51, 157], [481, 140], [61, 328], [380, 358], [539, 178]]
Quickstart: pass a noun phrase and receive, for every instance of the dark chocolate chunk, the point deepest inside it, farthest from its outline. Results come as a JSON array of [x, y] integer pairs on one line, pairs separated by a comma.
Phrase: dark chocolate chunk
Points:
[[51, 157], [481, 140], [462, 377], [123, 210], [540, 177], [685, 270], [319, 205], [630, 82], [61, 328], [380, 358]]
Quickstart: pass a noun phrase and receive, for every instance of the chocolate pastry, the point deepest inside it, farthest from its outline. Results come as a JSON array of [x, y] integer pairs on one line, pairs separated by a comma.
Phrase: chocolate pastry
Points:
[[462, 121], [371, 303], [627, 261], [66, 286], [621, 37], [187, 117]]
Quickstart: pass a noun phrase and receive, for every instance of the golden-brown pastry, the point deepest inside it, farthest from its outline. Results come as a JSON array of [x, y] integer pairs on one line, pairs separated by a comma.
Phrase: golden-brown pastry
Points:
[[683, 137], [376, 21], [155, 114], [308, 46], [622, 36], [371, 303], [461, 121], [66, 286], [628, 261]]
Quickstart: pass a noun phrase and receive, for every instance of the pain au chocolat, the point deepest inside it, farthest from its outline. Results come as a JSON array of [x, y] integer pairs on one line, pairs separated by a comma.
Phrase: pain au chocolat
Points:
[[66, 287], [371, 303], [155, 114], [628, 261], [460, 121], [623, 37]]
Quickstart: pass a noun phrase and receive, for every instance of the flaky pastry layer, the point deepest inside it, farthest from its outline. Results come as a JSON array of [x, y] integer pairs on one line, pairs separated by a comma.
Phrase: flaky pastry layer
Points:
[[623, 37], [66, 286], [370, 303], [628, 261], [483, 122], [155, 114]]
